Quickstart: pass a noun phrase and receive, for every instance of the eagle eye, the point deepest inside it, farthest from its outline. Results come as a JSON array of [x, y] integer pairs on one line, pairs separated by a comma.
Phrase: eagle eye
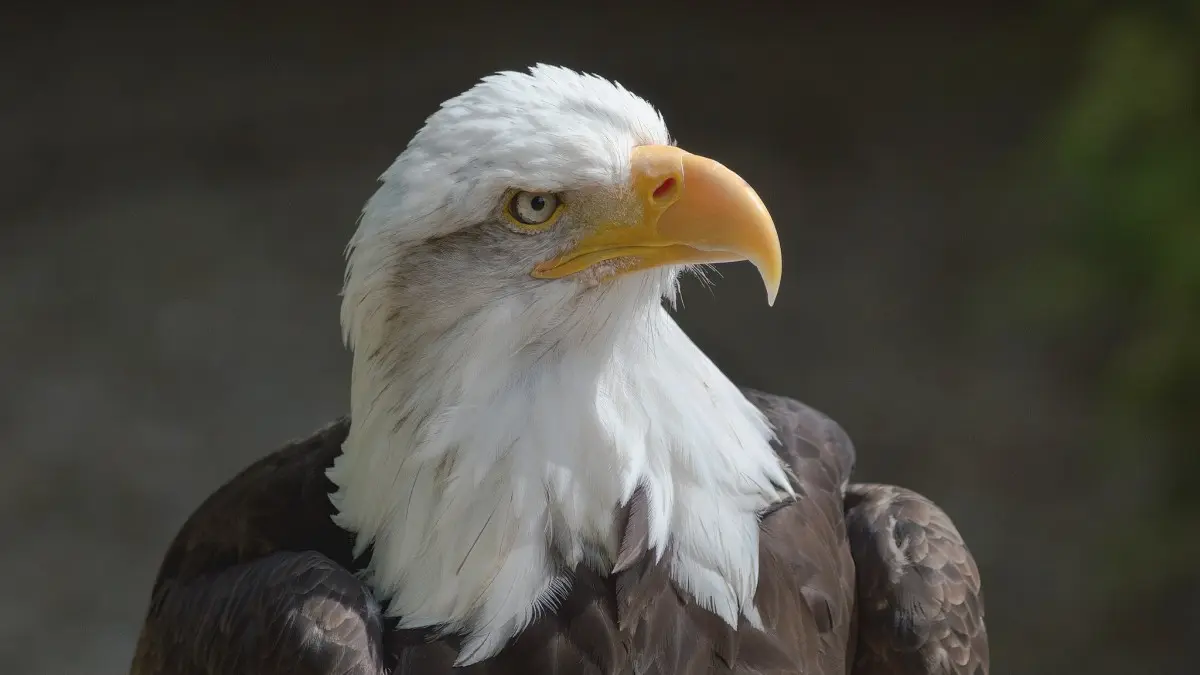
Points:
[[533, 210]]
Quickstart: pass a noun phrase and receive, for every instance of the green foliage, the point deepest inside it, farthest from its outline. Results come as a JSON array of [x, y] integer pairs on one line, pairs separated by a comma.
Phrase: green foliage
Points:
[[1127, 150]]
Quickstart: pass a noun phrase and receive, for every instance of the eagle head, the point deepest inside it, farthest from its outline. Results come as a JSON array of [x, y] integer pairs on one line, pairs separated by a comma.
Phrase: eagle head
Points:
[[551, 193]]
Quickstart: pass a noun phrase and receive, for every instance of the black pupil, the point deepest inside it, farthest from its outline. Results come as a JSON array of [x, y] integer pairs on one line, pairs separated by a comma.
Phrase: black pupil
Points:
[[537, 203]]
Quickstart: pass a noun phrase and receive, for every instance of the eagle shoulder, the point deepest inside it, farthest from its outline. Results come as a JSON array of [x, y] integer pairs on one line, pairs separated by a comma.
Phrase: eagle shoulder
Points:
[[286, 613], [257, 579], [278, 503], [815, 447], [806, 578], [920, 601]]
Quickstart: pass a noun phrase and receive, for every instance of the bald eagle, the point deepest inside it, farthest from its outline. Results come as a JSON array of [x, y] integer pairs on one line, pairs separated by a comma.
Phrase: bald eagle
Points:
[[540, 472]]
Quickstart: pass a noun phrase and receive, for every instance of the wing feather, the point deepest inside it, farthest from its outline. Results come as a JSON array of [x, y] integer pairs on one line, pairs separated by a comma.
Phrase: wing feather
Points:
[[920, 600], [293, 613]]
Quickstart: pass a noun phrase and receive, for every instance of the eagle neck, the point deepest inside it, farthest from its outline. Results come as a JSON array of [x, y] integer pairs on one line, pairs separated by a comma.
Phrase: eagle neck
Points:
[[481, 476]]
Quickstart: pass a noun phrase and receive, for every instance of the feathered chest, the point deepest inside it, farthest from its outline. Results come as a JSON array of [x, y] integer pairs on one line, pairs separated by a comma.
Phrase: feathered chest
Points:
[[480, 503], [636, 619]]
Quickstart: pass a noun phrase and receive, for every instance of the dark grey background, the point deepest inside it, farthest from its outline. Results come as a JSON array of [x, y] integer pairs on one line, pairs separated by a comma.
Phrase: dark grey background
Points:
[[177, 186]]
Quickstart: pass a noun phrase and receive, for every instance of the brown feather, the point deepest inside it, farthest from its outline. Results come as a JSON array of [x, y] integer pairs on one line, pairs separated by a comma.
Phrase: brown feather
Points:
[[921, 605], [635, 537]]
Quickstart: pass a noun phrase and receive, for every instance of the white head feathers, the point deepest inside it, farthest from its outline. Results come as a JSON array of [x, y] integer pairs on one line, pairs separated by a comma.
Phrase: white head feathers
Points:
[[552, 128], [499, 420]]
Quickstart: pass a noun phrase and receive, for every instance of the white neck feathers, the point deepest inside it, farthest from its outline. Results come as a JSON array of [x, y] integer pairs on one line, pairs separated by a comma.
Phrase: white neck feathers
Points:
[[483, 465]]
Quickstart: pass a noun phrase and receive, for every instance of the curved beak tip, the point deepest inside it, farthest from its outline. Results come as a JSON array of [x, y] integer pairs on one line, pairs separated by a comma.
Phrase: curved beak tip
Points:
[[771, 277]]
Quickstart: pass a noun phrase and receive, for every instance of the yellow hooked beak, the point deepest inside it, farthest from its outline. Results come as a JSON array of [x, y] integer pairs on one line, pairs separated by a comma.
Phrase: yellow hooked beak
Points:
[[694, 211]]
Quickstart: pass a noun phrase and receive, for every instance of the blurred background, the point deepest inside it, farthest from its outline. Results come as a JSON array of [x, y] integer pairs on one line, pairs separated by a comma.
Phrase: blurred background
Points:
[[991, 221]]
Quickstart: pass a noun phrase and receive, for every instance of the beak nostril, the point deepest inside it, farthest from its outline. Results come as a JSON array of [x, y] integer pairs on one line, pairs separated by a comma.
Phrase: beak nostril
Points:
[[666, 190]]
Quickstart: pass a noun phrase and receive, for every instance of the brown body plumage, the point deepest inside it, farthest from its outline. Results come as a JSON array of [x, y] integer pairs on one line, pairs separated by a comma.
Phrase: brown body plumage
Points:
[[869, 580]]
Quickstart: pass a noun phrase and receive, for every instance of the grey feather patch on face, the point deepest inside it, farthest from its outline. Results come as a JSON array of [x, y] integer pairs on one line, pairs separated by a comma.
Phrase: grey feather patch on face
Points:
[[444, 279]]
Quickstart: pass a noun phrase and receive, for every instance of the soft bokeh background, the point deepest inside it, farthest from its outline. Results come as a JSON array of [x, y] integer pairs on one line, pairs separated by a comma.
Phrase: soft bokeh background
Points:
[[992, 232]]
